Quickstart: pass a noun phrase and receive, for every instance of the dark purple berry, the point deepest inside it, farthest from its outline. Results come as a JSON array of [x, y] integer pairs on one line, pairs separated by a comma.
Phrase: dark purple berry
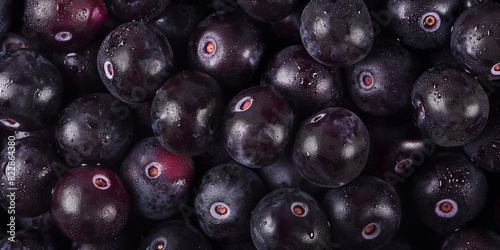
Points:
[[134, 60], [90, 204], [331, 147], [158, 180], [336, 33]]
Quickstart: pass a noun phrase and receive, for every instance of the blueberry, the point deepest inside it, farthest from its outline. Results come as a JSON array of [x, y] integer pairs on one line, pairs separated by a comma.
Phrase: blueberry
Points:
[[31, 90], [475, 41], [307, 84], [257, 126], [94, 129], [158, 180], [134, 60], [423, 25], [90, 204], [65, 24], [373, 83], [227, 195], [331, 147], [450, 106], [483, 149], [448, 192], [336, 33], [186, 113], [227, 46], [289, 218], [364, 214]]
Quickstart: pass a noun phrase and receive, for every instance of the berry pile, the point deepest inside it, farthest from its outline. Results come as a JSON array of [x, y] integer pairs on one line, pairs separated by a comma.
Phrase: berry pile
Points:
[[249, 124]]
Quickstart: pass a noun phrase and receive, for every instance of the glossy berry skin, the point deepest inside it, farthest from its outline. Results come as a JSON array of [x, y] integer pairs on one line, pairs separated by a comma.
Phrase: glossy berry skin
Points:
[[289, 219], [267, 10], [33, 167], [137, 10], [331, 147], [257, 126], [158, 180], [227, 46], [227, 195], [186, 113], [475, 41], [448, 192], [134, 60], [173, 235], [90, 204], [78, 68], [307, 84], [423, 25], [31, 90], [472, 238], [94, 129], [381, 83], [484, 149], [364, 214], [336, 33], [450, 106], [65, 23], [177, 22]]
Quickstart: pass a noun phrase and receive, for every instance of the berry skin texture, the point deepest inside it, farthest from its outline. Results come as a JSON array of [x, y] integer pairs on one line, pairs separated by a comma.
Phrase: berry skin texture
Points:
[[336, 33], [475, 41], [186, 113], [331, 147], [307, 84], [134, 60], [94, 129], [450, 106], [31, 90], [289, 219], [380, 84], [448, 192], [227, 195], [257, 126], [158, 180], [424, 24], [227, 46], [65, 24], [373, 213], [90, 204]]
